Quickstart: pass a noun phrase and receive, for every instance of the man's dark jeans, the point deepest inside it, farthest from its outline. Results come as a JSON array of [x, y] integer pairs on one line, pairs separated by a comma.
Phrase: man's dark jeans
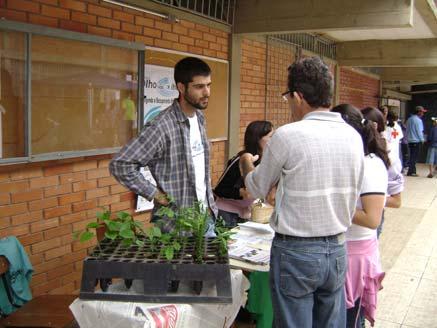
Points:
[[307, 278], [414, 154]]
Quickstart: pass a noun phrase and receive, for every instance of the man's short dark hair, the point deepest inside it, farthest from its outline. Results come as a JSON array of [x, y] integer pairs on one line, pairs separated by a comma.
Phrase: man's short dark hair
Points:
[[189, 67], [311, 78]]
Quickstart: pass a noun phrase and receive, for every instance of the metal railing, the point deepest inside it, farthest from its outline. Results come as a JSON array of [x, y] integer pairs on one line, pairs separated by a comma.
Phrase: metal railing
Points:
[[219, 10], [311, 42]]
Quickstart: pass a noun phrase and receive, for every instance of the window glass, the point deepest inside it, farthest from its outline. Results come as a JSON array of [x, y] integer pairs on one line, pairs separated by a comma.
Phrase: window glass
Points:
[[83, 95], [12, 82]]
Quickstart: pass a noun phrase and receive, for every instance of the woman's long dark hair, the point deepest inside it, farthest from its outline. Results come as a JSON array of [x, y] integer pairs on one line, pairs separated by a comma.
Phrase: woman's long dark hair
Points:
[[254, 132], [374, 115], [372, 140]]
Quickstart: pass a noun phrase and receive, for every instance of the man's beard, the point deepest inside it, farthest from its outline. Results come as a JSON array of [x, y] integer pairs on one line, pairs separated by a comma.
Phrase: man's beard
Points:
[[196, 105]]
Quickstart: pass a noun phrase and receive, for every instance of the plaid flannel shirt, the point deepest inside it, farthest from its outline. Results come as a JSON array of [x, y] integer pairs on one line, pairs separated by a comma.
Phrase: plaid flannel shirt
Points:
[[164, 146]]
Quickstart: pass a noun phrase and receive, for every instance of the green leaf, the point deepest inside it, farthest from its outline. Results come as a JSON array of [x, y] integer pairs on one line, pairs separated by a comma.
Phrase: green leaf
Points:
[[123, 215], [113, 225], [127, 233], [105, 215], [156, 232], [111, 235], [92, 225], [85, 236], [165, 238], [139, 242], [176, 246], [126, 242], [169, 253], [170, 214], [166, 212], [186, 224], [125, 226], [170, 199]]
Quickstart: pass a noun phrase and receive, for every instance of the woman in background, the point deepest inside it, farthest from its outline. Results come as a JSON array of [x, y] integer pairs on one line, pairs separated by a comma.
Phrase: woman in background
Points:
[[393, 134], [364, 274], [395, 177], [233, 200]]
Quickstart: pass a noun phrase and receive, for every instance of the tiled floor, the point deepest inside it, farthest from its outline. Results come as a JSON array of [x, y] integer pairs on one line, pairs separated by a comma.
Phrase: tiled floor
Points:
[[409, 255]]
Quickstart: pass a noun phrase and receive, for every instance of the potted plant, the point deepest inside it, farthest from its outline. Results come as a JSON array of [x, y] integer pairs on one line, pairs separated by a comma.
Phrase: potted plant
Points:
[[160, 260], [122, 228]]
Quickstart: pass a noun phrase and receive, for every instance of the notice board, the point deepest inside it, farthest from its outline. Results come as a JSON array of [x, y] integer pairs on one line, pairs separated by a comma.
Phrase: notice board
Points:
[[217, 112]]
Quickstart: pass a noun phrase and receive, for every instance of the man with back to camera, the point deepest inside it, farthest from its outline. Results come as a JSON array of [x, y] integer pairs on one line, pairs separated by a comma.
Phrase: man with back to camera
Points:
[[317, 163], [174, 146], [415, 138]]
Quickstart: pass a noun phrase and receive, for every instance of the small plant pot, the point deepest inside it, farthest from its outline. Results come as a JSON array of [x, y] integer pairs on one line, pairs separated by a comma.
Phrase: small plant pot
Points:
[[100, 233]]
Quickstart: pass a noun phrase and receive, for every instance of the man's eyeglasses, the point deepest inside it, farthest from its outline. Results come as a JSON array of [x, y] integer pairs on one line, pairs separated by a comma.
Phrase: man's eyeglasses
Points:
[[284, 95]]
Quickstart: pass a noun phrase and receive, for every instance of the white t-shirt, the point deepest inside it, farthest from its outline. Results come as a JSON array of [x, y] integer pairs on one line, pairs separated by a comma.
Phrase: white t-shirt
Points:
[[393, 136], [375, 181], [198, 155]]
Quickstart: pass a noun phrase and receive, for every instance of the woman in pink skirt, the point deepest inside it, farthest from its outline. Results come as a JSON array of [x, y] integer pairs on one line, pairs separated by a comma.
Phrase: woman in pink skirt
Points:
[[364, 275]]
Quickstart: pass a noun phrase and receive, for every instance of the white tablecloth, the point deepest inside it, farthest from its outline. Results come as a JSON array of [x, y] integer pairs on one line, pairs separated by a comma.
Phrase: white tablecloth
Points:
[[108, 314]]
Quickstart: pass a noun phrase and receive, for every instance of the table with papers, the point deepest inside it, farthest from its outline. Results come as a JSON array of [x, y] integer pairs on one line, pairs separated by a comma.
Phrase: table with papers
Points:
[[250, 246], [250, 251]]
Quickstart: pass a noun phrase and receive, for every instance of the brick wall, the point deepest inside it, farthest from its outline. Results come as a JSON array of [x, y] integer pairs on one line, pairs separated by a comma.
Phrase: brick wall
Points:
[[252, 83], [99, 18], [43, 203], [358, 89], [279, 57]]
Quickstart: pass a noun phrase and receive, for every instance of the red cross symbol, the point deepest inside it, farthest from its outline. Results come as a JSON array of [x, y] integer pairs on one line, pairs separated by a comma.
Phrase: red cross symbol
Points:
[[394, 134]]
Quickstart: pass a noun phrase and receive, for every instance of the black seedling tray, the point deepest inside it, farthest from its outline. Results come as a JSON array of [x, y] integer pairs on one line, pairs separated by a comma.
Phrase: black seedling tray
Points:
[[160, 278]]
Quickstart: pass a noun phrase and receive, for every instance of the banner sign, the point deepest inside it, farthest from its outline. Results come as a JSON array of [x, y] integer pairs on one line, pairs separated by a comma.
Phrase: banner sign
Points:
[[159, 90]]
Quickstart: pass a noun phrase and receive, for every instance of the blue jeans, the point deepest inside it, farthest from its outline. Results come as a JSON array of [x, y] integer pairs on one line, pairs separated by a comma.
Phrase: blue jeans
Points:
[[307, 278], [414, 154]]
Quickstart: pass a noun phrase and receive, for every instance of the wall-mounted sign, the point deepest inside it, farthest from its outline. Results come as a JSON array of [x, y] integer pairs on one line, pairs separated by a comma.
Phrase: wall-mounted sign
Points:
[[159, 90], [394, 102]]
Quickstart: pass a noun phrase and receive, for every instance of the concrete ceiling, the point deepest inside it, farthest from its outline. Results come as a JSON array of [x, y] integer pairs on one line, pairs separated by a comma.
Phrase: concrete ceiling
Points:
[[419, 30], [396, 47], [399, 37]]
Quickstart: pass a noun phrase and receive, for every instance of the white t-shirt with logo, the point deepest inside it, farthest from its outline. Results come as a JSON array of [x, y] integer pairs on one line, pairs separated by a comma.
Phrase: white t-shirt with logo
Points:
[[375, 182], [198, 155], [393, 135]]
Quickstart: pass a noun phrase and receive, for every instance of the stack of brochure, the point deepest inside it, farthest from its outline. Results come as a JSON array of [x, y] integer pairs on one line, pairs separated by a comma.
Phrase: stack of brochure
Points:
[[252, 243]]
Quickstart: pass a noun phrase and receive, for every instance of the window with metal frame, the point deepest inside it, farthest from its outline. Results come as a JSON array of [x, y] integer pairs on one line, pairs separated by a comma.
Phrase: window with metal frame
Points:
[[66, 94]]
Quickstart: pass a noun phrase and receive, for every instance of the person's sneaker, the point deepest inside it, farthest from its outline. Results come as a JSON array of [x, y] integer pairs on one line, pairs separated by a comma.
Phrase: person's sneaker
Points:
[[412, 175], [430, 176]]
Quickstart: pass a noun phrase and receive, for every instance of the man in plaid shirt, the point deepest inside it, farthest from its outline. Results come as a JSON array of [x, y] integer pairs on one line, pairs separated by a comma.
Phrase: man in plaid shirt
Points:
[[174, 146]]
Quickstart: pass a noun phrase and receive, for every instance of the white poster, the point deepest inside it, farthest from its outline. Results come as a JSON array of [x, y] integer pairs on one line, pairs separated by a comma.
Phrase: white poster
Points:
[[159, 90], [159, 93]]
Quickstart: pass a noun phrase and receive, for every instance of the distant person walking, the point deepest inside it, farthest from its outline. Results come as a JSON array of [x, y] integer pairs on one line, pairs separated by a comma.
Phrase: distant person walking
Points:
[[415, 138]]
